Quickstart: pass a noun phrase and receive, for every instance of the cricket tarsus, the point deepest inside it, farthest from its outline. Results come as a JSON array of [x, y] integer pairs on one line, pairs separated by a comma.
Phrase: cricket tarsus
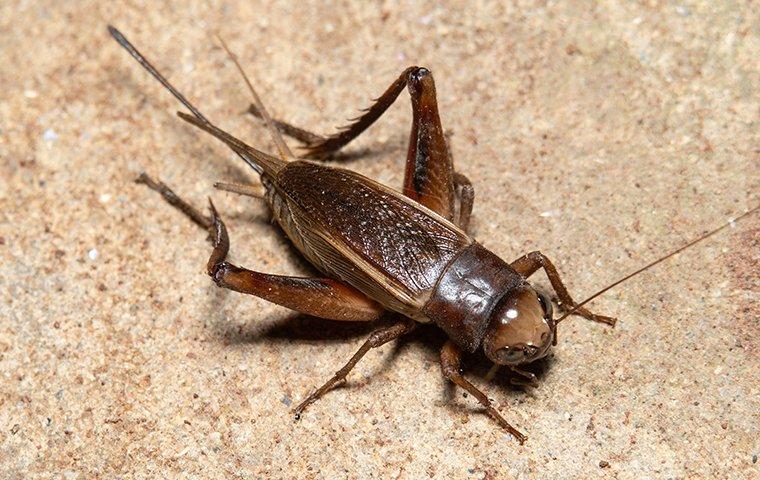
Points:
[[705, 236], [451, 356], [174, 200], [527, 379], [376, 339]]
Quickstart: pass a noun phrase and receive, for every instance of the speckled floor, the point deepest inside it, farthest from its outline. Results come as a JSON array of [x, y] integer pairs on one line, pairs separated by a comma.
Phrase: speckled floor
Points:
[[602, 133]]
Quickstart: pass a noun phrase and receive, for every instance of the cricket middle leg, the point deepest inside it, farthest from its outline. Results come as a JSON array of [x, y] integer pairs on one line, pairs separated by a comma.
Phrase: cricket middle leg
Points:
[[376, 339]]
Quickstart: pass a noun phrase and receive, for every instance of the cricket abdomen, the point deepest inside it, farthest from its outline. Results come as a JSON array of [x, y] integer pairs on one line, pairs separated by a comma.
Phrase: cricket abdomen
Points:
[[374, 238]]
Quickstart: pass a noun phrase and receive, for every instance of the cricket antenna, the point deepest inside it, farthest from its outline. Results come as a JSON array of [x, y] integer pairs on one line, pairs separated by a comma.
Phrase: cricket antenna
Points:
[[661, 259]]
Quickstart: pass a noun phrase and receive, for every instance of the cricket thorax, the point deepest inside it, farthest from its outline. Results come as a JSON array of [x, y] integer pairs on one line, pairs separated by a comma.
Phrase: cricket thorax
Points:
[[467, 292]]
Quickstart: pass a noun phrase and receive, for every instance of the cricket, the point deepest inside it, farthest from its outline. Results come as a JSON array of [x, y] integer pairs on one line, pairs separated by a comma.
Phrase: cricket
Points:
[[404, 255]]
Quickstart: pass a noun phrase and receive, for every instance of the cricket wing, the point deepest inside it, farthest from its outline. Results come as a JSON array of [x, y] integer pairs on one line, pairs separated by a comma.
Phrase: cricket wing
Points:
[[384, 244]]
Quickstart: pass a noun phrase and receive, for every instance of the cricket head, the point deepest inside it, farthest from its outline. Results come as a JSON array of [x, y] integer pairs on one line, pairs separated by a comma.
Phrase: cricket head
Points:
[[521, 329]]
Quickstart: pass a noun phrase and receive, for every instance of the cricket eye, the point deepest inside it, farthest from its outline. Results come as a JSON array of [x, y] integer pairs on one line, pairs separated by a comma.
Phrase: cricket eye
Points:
[[546, 305], [520, 328]]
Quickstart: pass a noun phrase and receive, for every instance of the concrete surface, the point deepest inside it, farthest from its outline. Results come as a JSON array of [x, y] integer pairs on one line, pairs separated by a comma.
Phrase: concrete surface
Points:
[[602, 133]]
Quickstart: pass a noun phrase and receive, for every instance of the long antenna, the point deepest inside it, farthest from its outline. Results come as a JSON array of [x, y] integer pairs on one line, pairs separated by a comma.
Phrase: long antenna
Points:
[[127, 45], [661, 259]]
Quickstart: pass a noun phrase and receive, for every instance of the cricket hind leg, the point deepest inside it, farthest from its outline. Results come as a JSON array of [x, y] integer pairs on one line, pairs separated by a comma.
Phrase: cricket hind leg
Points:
[[466, 195], [528, 264], [429, 173], [430, 177], [304, 136], [320, 297], [451, 356], [376, 339], [323, 147]]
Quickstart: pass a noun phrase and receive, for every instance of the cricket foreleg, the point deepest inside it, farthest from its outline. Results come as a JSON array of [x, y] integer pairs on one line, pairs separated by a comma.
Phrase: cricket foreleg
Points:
[[451, 356], [530, 263], [377, 338]]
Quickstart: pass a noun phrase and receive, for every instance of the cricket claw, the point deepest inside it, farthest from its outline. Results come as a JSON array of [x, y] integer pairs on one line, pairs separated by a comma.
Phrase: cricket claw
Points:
[[585, 313]]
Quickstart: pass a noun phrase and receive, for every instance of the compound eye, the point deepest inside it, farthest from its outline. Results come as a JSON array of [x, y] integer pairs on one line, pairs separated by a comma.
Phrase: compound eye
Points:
[[546, 305]]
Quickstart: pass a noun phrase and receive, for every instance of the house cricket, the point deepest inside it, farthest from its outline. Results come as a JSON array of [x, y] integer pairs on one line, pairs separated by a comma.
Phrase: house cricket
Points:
[[406, 254]]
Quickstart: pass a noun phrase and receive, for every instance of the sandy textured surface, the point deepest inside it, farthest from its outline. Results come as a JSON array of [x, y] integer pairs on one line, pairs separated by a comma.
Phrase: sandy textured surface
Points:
[[602, 134]]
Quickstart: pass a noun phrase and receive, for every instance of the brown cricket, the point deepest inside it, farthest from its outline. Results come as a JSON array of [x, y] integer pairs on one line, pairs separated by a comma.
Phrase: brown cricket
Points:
[[407, 253]]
